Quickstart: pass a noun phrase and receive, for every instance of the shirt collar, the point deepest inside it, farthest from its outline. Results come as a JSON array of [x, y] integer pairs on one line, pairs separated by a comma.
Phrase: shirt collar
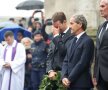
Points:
[[79, 35], [66, 30], [107, 27]]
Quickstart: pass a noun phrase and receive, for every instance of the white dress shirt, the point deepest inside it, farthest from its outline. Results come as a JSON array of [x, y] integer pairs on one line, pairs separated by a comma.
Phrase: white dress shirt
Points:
[[79, 35]]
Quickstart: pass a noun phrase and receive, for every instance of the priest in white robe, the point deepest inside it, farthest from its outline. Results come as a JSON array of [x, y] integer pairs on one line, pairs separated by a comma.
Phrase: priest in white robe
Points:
[[1, 49], [13, 64]]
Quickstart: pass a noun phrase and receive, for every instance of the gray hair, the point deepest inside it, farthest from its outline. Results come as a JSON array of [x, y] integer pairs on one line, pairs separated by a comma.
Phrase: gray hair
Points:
[[26, 38], [106, 1], [80, 19]]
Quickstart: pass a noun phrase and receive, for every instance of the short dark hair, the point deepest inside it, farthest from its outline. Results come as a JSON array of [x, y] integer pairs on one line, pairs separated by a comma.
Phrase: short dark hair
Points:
[[20, 31], [59, 16], [8, 33], [23, 18], [11, 19]]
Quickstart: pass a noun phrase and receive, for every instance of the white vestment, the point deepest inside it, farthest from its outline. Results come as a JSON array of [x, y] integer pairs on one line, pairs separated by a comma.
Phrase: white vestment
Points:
[[1, 49], [17, 67]]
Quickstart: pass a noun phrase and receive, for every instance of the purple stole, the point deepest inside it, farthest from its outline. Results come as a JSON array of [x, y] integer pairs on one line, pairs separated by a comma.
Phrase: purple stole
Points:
[[12, 58]]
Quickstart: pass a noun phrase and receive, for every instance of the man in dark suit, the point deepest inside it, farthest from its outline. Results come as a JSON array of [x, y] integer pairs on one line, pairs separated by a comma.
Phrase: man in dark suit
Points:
[[101, 58], [58, 50], [76, 73]]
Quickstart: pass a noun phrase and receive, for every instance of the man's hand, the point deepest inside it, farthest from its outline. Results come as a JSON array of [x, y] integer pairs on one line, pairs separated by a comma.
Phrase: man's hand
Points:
[[55, 30], [94, 82], [52, 75], [29, 56], [35, 12], [66, 82], [6, 65]]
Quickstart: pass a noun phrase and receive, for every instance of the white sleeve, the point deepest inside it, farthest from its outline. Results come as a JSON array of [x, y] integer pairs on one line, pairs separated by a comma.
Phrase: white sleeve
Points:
[[1, 57], [20, 58]]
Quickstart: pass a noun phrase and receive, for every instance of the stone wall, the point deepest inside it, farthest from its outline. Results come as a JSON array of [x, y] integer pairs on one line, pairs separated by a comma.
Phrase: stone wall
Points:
[[89, 8]]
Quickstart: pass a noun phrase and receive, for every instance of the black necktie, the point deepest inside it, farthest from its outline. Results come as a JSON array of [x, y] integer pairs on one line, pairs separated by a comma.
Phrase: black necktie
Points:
[[62, 34], [103, 30], [73, 42]]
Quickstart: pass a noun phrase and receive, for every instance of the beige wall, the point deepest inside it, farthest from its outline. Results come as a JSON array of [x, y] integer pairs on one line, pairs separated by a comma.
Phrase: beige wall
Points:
[[89, 8]]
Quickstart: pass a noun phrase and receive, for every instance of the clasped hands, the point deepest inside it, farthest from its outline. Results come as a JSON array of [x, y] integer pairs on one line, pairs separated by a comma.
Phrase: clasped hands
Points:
[[6, 65], [66, 82]]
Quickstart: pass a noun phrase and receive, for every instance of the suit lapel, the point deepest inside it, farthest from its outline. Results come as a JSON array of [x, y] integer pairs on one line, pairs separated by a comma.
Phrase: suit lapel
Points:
[[67, 35], [97, 37], [98, 42], [103, 37], [74, 48]]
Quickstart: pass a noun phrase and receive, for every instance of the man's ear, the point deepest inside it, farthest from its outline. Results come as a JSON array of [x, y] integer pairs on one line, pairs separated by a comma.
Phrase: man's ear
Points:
[[80, 25]]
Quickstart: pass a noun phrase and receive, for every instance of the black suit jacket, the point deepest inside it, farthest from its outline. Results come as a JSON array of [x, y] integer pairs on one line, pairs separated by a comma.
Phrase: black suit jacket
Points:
[[101, 56], [58, 51], [76, 65]]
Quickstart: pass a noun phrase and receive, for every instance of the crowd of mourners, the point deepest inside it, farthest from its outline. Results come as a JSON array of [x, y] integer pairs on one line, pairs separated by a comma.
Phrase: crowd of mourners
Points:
[[59, 60]]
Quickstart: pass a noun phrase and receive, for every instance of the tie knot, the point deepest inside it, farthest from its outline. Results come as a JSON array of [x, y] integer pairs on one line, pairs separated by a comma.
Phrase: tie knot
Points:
[[74, 39], [62, 34]]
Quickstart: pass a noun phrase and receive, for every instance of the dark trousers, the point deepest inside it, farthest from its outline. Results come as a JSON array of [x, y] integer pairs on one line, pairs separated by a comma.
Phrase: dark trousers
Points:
[[27, 84], [36, 77], [102, 84]]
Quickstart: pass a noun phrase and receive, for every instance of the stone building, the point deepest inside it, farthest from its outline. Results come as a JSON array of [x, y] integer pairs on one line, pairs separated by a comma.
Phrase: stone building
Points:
[[89, 8]]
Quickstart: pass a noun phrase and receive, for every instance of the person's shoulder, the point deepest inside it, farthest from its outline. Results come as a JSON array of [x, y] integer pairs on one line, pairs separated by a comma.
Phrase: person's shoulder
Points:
[[20, 45], [58, 36], [5, 46], [88, 39], [69, 34], [44, 43], [33, 44], [1, 45]]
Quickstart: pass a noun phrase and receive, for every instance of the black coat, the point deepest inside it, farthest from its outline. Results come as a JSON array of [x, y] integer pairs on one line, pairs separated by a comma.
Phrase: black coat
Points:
[[58, 51], [76, 65], [101, 57], [39, 55], [28, 61]]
